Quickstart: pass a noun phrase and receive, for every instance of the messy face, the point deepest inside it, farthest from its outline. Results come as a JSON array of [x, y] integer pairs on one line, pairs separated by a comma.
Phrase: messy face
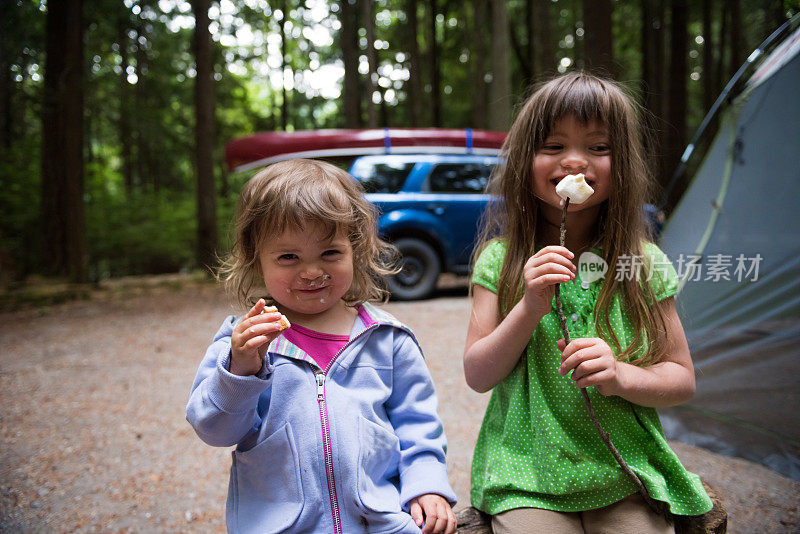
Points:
[[573, 147], [307, 270]]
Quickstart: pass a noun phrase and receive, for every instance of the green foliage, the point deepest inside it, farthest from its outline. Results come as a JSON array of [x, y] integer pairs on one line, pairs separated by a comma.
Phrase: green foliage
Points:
[[139, 102], [148, 232], [19, 207]]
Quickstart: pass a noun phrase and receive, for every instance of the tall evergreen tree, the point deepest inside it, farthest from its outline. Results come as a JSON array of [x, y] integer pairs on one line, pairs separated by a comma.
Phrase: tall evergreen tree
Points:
[[62, 208], [500, 99], [599, 44], [204, 137], [348, 41]]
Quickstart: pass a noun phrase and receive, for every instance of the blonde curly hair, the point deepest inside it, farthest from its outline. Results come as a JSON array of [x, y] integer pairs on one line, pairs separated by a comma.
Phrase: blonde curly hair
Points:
[[296, 194]]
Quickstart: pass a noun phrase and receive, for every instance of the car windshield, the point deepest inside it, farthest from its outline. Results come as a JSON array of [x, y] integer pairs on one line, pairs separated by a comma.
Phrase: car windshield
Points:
[[382, 177]]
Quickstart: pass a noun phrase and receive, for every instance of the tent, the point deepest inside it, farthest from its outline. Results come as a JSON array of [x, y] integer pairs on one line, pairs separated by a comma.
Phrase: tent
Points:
[[734, 238]]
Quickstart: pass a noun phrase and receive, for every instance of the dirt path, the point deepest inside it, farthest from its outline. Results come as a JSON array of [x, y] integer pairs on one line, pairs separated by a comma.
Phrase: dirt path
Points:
[[93, 436]]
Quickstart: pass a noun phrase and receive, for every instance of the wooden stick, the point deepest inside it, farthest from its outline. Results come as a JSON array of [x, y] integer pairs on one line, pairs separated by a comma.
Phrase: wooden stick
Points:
[[600, 430]]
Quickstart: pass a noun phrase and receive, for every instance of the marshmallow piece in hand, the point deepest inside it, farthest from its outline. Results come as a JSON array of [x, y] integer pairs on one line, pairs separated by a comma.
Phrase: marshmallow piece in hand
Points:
[[284, 322], [574, 188]]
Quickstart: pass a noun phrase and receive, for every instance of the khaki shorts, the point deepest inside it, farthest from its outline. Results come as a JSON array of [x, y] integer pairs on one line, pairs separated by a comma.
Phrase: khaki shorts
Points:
[[631, 515]]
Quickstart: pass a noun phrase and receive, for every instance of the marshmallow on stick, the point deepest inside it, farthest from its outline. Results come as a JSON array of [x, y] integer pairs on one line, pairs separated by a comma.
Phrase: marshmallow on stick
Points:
[[284, 322], [574, 188]]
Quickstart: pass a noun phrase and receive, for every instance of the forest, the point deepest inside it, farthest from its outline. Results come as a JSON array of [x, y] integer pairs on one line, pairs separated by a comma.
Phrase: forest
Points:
[[114, 114]]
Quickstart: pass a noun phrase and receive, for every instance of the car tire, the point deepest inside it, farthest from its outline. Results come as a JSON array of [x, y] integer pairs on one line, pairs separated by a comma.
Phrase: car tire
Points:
[[420, 268]]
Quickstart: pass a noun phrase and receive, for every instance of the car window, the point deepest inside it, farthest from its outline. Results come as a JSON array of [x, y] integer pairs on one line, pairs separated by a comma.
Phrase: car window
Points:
[[382, 177], [459, 177]]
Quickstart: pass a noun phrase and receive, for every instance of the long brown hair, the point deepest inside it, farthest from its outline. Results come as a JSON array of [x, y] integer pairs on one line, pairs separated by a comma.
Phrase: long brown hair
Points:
[[295, 194], [513, 211]]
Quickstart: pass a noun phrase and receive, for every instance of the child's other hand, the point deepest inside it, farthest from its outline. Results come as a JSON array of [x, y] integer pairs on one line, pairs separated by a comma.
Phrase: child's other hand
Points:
[[550, 266], [250, 339], [593, 362], [435, 511]]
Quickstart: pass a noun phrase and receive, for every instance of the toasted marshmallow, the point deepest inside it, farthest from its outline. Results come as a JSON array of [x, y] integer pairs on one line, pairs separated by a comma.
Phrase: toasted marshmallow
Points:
[[284, 322], [574, 188]]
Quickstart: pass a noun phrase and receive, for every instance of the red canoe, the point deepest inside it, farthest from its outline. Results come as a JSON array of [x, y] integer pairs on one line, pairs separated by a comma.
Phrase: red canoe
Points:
[[264, 148]]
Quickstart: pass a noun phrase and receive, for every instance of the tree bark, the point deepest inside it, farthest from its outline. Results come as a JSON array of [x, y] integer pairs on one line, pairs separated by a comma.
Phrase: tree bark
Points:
[[139, 124], [6, 87], [598, 36], [709, 85], [677, 102], [368, 15], [433, 60], [415, 67], [284, 66], [500, 88], [736, 57], [124, 123], [521, 50], [544, 39], [349, 42], [653, 51], [204, 138], [477, 64], [720, 71], [533, 49], [62, 208]]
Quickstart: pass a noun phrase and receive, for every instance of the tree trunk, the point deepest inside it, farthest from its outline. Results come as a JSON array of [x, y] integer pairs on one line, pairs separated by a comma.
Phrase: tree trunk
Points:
[[368, 15], [533, 49], [652, 57], [736, 37], [646, 55], [124, 124], [598, 36], [544, 39], [349, 42], [415, 68], [6, 87], [676, 105], [477, 64], [147, 163], [500, 88], [433, 60], [204, 138], [709, 85], [521, 50], [284, 66], [62, 209], [720, 71]]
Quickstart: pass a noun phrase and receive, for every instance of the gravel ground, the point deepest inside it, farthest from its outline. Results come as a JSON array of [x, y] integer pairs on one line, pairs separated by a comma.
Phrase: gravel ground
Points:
[[93, 436]]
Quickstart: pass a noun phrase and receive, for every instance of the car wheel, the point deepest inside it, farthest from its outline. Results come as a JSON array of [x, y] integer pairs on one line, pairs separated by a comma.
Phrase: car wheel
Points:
[[419, 270]]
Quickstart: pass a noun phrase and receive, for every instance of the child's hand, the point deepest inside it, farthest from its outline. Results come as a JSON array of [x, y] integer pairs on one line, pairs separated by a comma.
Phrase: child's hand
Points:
[[251, 337], [436, 513], [550, 266], [593, 362]]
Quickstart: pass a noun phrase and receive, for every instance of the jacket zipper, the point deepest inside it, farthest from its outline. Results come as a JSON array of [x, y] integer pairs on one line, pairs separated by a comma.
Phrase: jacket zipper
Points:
[[326, 445], [326, 435]]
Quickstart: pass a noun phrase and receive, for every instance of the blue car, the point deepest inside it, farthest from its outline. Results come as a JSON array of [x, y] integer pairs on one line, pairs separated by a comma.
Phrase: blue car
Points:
[[430, 207]]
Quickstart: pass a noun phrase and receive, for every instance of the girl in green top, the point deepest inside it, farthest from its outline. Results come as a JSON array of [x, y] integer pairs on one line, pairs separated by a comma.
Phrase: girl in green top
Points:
[[539, 463]]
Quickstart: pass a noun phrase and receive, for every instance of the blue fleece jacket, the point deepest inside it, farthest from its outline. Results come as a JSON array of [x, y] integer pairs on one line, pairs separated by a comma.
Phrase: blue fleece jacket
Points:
[[339, 450]]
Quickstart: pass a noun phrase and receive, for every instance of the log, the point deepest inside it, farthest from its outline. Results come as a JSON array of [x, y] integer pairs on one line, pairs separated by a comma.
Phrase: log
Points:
[[473, 521]]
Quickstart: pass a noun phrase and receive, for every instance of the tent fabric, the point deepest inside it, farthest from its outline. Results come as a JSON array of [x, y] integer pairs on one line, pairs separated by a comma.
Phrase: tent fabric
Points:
[[740, 301]]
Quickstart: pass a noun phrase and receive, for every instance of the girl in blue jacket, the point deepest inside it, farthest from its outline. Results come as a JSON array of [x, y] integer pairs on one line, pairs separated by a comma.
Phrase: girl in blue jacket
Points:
[[334, 419]]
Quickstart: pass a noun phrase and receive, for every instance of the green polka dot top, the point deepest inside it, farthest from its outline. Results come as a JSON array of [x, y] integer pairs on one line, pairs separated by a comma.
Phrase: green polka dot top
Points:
[[537, 446]]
